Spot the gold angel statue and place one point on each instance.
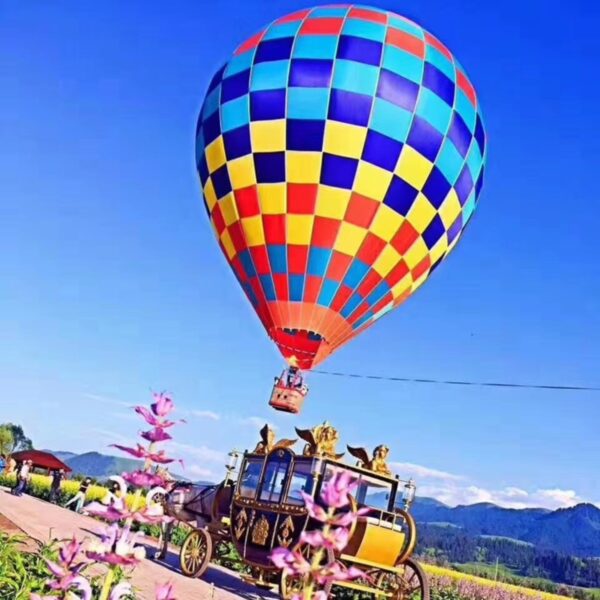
(377, 463)
(320, 441)
(268, 443)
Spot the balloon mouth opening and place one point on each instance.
(300, 347)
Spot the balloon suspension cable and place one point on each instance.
(571, 388)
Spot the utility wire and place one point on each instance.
(571, 388)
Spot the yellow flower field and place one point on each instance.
(458, 576)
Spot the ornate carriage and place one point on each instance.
(264, 509)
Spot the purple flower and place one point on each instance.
(163, 405)
(158, 434)
(144, 479)
(314, 510)
(141, 452)
(336, 539)
(165, 592)
(290, 562)
(116, 547)
(336, 492)
(119, 512)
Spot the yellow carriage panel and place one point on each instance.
(376, 541)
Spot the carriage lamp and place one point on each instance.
(316, 472)
(231, 465)
(408, 495)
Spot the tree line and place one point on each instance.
(449, 545)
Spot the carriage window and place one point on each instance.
(370, 491)
(302, 481)
(374, 492)
(275, 476)
(250, 478)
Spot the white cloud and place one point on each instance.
(406, 470)
(197, 471)
(453, 490)
(557, 498)
(107, 400)
(206, 414)
(203, 453)
(257, 422)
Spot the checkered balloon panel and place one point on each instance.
(341, 153)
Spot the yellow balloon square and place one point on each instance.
(402, 286)
(386, 222)
(439, 249)
(450, 208)
(349, 238)
(253, 230)
(229, 209)
(387, 260)
(299, 229)
(303, 167)
(413, 167)
(241, 172)
(210, 195)
(344, 140)
(215, 154)
(416, 253)
(421, 213)
(332, 202)
(272, 198)
(268, 136)
(227, 244)
(372, 181)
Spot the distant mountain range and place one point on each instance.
(574, 531)
(100, 466)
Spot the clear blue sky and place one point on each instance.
(111, 283)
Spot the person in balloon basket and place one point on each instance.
(57, 477)
(294, 379)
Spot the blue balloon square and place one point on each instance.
(338, 171)
(360, 49)
(425, 138)
(348, 107)
(464, 184)
(235, 86)
(275, 49)
(305, 134)
(221, 182)
(397, 89)
(237, 142)
(436, 187)
(400, 196)
(381, 150)
(437, 82)
(310, 72)
(460, 135)
(269, 167)
(267, 105)
(435, 230)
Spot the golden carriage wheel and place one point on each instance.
(410, 584)
(196, 552)
(291, 585)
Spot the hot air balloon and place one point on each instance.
(341, 153)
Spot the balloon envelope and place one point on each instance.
(341, 153)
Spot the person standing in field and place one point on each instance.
(22, 478)
(79, 498)
(57, 476)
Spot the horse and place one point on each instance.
(201, 506)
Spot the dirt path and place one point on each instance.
(44, 521)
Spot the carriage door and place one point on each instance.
(266, 514)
